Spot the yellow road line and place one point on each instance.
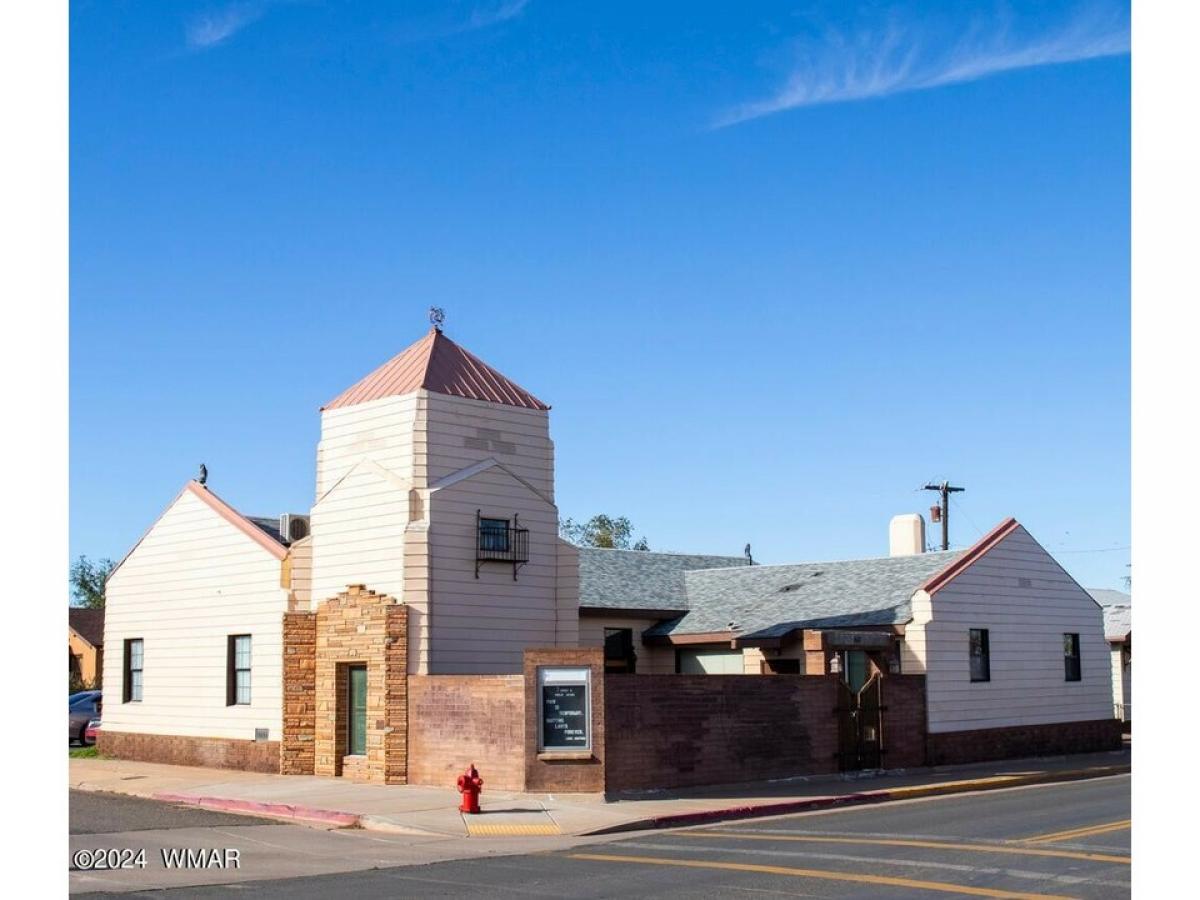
(1085, 831)
(829, 875)
(904, 842)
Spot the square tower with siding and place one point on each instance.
(435, 485)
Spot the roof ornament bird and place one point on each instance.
(748, 556)
(203, 476)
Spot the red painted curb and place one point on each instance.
(255, 807)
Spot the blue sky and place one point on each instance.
(774, 265)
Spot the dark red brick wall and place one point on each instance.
(455, 720)
(667, 731)
(219, 753)
(951, 747)
(903, 699)
(546, 774)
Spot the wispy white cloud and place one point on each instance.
(492, 14)
(898, 59)
(211, 29)
(452, 19)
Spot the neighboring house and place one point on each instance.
(1118, 632)
(429, 564)
(1013, 650)
(85, 645)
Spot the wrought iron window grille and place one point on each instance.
(499, 540)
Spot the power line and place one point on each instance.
(945, 489)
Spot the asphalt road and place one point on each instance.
(1067, 840)
(93, 813)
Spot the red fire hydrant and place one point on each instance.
(470, 785)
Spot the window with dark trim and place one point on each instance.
(618, 650)
(1071, 656)
(981, 661)
(131, 683)
(237, 670)
(493, 535)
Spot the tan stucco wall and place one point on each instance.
(86, 654)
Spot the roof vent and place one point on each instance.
(293, 527)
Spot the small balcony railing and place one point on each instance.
(506, 543)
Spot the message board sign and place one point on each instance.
(565, 709)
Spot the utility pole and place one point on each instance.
(943, 513)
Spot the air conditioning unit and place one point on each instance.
(293, 527)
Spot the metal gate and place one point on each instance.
(860, 725)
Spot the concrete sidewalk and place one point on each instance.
(330, 802)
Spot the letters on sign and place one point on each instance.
(565, 709)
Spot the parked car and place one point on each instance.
(82, 707)
(89, 733)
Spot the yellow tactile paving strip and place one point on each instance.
(508, 829)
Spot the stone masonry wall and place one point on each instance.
(180, 750)
(456, 720)
(298, 750)
(361, 627)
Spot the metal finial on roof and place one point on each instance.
(437, 316)
(203, 476)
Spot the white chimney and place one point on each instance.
(906, 535)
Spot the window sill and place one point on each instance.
(565, 755)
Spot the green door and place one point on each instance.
(856, 669)
(357, 707)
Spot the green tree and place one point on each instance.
(87, 581)
(601, 531)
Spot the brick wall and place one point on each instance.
(218, 753)
(903, 699)
(455, 720)
(687, 730)
(558, 772)
(361, 627)
(297, 753)
(951, 747)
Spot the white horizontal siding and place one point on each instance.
(194, 580)
(1025, 633)
(350, 547)
(451, 421)
(380, 429)
(483, 625)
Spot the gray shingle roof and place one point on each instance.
(640, 579)
(770, 601)
(1105, 597)
(270, 526)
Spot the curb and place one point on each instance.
(754, 811)
(308, 814)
